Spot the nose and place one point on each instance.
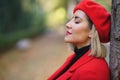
(68, 25)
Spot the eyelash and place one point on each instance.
(77, 22)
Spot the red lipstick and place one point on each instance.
(68, 33)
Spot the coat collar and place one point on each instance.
(83, 60)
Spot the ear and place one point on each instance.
(90, 34)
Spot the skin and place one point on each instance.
(78, 32)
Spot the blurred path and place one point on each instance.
(46, 54)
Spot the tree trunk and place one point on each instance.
(115, 41)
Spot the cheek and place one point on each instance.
(80, 34)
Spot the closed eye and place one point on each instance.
(77, 22)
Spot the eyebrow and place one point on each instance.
(77, 17)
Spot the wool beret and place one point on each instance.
(98, 15)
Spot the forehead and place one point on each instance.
(80, 14)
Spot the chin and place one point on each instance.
(68, 40)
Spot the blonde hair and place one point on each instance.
(97, 49)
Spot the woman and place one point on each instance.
(88, 28)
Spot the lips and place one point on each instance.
(68, 33)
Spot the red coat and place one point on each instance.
(85, 68)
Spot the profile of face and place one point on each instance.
(78, 30)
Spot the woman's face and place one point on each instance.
(77, 30)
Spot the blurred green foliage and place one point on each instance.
(26, 18)
(20, 19)
(56, 12)
(105, 3)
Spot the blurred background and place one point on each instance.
(32, 37)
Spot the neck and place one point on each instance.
(82, 45)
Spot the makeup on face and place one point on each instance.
(77, 30)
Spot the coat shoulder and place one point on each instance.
(96, 69)
(96, 65)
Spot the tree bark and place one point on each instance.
(115, 41)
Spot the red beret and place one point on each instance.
(98, 15)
